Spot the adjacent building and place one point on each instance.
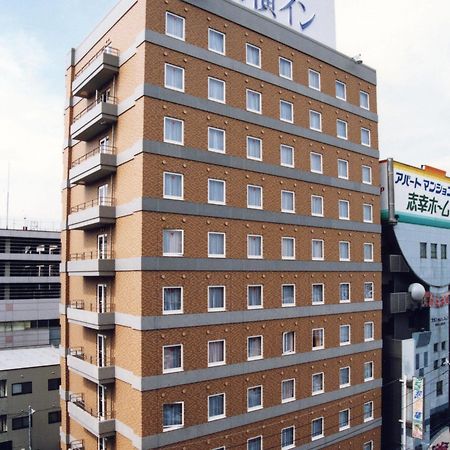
(416, 278)
(221, 266)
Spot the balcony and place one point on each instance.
(76, 445)
(97, 117)
(92, 264)
(90, 316)
(99, 425)
(90, 367)
(92, 214)
(100, 69)
(94, 165)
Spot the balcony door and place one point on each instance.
(103, 195)
(101, 350)
(104, 144)
(101, 298)
(102, 246)
(101, 401)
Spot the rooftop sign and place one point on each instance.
(313, 18)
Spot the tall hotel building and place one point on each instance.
(221, 275)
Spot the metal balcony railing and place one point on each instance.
(77, 445)
(107, 307)
(104, 149)
(78, 400)
(105, 49)
(93, 104)
(93, 254)
(103, 201)
(78, 352)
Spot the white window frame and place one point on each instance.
(362, 174)
(256, 111)
(341, 217)
(319, 347)
(344, 98)
(255, 437)
(262, 296)
(174, 311)
(221, 416)
(260, 188)
(260, 406)
(291, 106)
(182, 243)
(369, 418)
(218, 363)
(368, 445)
(288, 77)
(289, 446)
(343, 162)
(369, 207)
(317, 258)
(363, 130)
(213, 99)
(284, 350)
(170, 141)
(368, 299)
(349, 341)
(287, 305)
(321, 435)
(372, 328)
(349, 293)
(212, 30)
(261, 356)
(224, 307)
(174, 88)
(367, 96)
(175, 427)
(247, 45)
(321, 162)
(311, 114)
(372, 369)
(214, 202)
(313, 198)
(213, 255)
(344, 385)
(260, 148)
(312, 72)
(291, 193)
(345, 135)
(288, 399)
(322, 390)
(173, 197)
(368, 245)
(347, 244)
(284, 146)
(290, 257)
(168, 13)
(347, 425)
(321, 302)
(215, 150)
(177, 369)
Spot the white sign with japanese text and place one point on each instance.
(313, 18)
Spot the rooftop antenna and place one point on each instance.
(7, 199)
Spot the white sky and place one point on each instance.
(406, 42)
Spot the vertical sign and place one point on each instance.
(417, 422)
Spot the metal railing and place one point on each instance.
(93, 254)
(78, 352)
(77, 445)
(102, 201)
(9, 223)
(109, 99)
(92, 307)
(106, 149)
(78, 400)
(105, 49)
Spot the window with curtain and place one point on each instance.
(254, 148)
(253, 101)
(341, 129)
(253, 55)
(368, 331)
(344, 334)
(173, 186)
(216, 406)
(216, 140)
(367, 213)
(363, 99)
(174, 77)
(172, 416)
(314, 79)
(287, 390)
(344, 209)
(316, 205)
(254, 196)
(254, 443)
(254, 296)
(254, 347)
(317, 428)
(368, 252)
(368, 411)
(317, 383)
(172, 358)
(254, 398)
(317, 293)
(216, 298)
(365, 137)
(287, 155)
(344, 292)
(344, 376)
(317, 249)
(216, 191)
(288, 295)
(286, 111)
(318, 340)
(216, 90)
(285, 68)
(173, 131)
(216, 245)
(368, 291)
(254, 246)
(173, 300)
(344, 251)
(341, 90)
(287, 248)
(344, 419)
(172, 243)
(216, 353)
(316, 162)
(315, 120)
(288, 342)
(342, 168)
(175, 26)
(366, 174)
(287, 201)
(287, 438)
(216, 41)
(368, 371)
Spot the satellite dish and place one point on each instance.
(417, 291)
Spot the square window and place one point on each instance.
(366, 174)
(253, 55)
(368, 252)
(216, 140)
(286, 111)
(365, 137)
(317, 383)
(287, 248)
(285, 68)
(254, 348)
(316, 205)
(288, 342)
(341, 90)
(175, 26)
(317, 250)
(254, 246)
(344, 251)
(216, 41)
(172, 300)
(344, 335)
(174, 77)
(363, 99)
(173, 186)
(172, 358)
(315, 120)
(287, 438)
(318, 294)
(344, 377)
(254, 101)
(173, 131)
(343, 169)
(314, 79)
(288, 295)
(316, 162)
(368, 291)
(254, 398)
(255, 443)
(216, 245)
(254, 296)
(368, 371)
(254, 196)
(173, 416)
(433, 251)
(344, 210)
(318, 339)
(216, 192)
(423, 249)
(216, 90)
(368, 331)
(287, 155)
(216, 407)
(344, 292)
(172, 242)
(341, 129)
(367, 213)
(254, 148)
(216, 298)
(216, 353)
(288, 390)
(368, 411)
(288, 201)
(344, 419)
(317, 429)
(443, 251)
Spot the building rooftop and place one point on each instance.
(22, 358)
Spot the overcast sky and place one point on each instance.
(406, 42)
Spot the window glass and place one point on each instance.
(315, 120)
(216, 192)
(316, 205)
(172, 416)
(254, 398)
(253, 101)
(254, 148)
(172, 358)
(286, 111)
(253, 55)
(254, 296)
(367, 175)
(316, 162)
(216, 298)
(285, 68)
(216, 353)
(288, 295)
(216, 245)
(287, 156)
(216, 140)
(317, 249)
(175, 26)
(254, 196)
(363, 99)
(287, 390)
(314, 79)
(172, 300)
(172, 243)
(254, 347)
(341, 90)
(344, 210)
(216, 406)
(216, 90)
(287, 201)
(365, 137)
(174, 77)
(216, 41)
(343, 168)
(173, 131)
(173, 186)
(341, 129)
